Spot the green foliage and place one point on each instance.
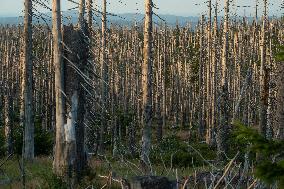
(53, 181)
(194, 53)
(178, 153)
(2, 142)
(270, 172)
(259, 144)
(43, 140)
(280, 54)
(124, 118)
(270, 167)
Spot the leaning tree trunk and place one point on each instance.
(147, 87)
(27, 85)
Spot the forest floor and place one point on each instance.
(173, 158)
(39, 173)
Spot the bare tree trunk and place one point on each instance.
(164, 79)
(222, 131)
(81, 21)
(280, 101)
(210, 139)
(201, 81)
(27, 84)
(8, 104)
(60, 161)
(104, 82)
(7, 100)
(147, 75)
(256, 10)
(82, 53)
(264, 88)
(90, 14)
(210, 78)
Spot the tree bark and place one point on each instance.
(104, 82)
(222, 131)
(263, 77)
(60, 161)
(147, 69)
(27, 84)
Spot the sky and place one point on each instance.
(173, 7)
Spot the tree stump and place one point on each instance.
(150, 182)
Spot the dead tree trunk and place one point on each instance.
(280, 101)
(81, 50)
(90, 14)
(147, 69)
(60, 160)
(104, 82)
(222, 130)
(201, 81)
(27, 84)
(264, 87)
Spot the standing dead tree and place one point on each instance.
(264, 88)
(147, 74)
(70, 155)
(105, 83)
(222, 130)
(27, 113)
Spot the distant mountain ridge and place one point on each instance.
(123, 19)
(120, 19)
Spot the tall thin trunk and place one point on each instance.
(222, 131)
(256, 10)
(27, 84)
(59, 161)
(164, 78)
(201, 80)
(210, 73)
(263, 77)
(8, 103)
(147, 69)
(82, 53)
(81, 21)
(104, 82)
(90, 14)
(280, 101)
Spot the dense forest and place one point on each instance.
(141, 106)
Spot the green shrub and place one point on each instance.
(280, 53)
(52, 181)
(269, 167)
(2, 142)
(178, 153)
(43, 140)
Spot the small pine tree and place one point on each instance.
(270, 168)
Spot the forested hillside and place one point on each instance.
(88, 102)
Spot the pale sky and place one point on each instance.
(174, 7)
